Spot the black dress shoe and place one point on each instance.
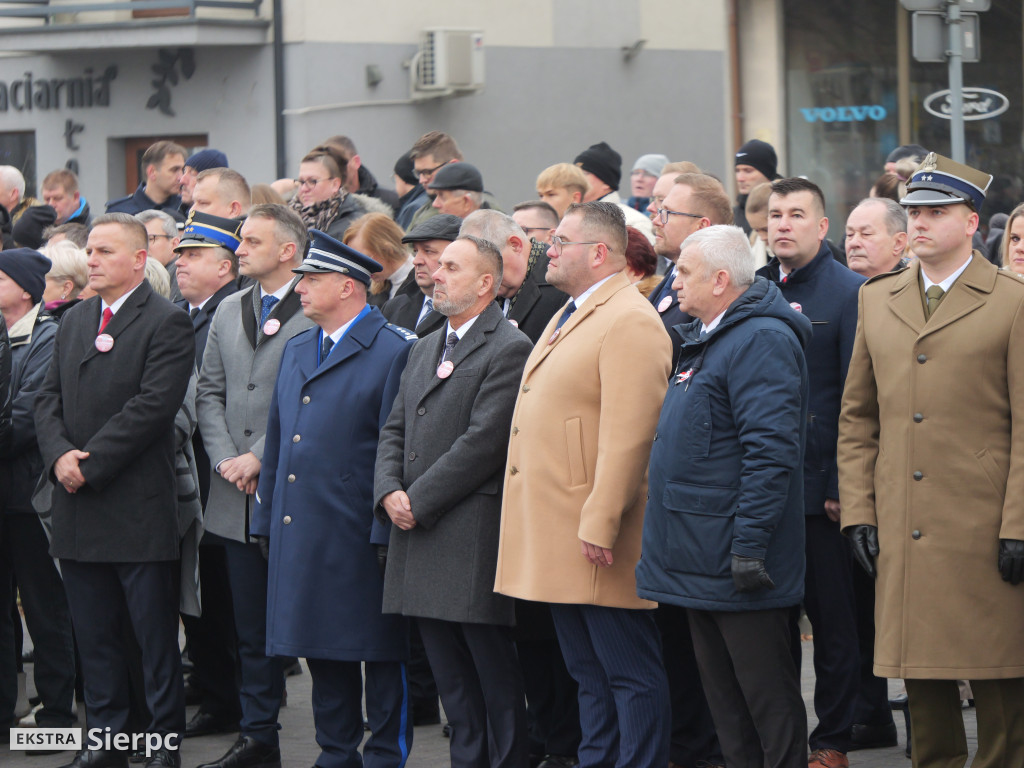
(873, 736)
(248, 753)
(164, 758)
(99, 758)
(206, 723)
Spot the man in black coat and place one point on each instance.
(206, 271)
(527, 304)
(105, 423)
(413, 305)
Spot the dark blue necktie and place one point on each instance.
(449, 345)
(326, 349)
(565, 315)
(267, 305)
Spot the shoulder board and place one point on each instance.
(883, 276)
(398, 330)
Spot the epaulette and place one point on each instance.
(398, 330)
(884, 275)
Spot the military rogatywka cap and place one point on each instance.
(204, 230)
(941, 181)
(329, 255)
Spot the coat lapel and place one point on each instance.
(358, 338)
(965, 295)
(613, 285)
(475, 338)
(124, 317)
(249, 315)
(529, 294)
(905, 298)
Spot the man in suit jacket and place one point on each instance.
(931, 473)
(527, 305)
(335, 389)
(105, 423)
(694, 201)
(247, 339)
(205, 273)
(413, 305)
(576, 482)
(438, 479)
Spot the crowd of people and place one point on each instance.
(572, 473)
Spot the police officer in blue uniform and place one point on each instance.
(335, 388)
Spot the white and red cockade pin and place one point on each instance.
(444, 370)
(104, 342)
(272, 326)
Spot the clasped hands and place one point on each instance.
(243, 471)
(68, 472)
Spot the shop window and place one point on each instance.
(18, 148)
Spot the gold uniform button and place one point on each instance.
(515, 430)
(287, 519)
(305, 400)
(296, 438)
(526, 387)
(291, 478)
(514, 471)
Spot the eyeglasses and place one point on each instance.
(153, 238)
(429, 171)
(558, 243)
(664, 213)
(310, 183)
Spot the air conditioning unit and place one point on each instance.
(449, 62)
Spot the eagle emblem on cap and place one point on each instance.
(930, 163)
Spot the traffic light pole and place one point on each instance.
(956, 81)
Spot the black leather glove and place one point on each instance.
(749, 575)
(1011, 560)
(382, 558)
(264, 544)
(864, 541)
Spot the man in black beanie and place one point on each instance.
(602, 166)
(756, 163)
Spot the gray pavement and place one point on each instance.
(430, 748)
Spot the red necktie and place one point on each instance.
(107, 314)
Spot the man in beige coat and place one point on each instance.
(931, 473)
(576, 482)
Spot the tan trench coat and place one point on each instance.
(581, 439)
(928, 453)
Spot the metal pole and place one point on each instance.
(956, 81)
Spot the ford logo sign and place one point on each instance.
(979, 104)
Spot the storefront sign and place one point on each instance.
(844, 114)
(29, 93)
(979, 104)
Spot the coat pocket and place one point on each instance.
(991, 469)
(699, 528)
(574, 450)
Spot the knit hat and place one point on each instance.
(651, 164)
(761, 156)
(602, 161)
(205, 159)
(405, 171)
(28, 230)
(27, 268)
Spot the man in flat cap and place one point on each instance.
(931, 473)
(337, 383)
(413, 304)
(458, 189)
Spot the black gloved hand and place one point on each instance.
(1011, 560)
(864, 540)
(264, 544)
(382, 557)
(749, 575)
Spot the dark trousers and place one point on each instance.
(103, 598)
(831, 608)
(753, 688)
(422, 688)
(24, 554)
(262, 676)
(338, 713)
(552, 697)
(481, 689)
(615, 656)
(212, 644)
(693, 737)
(873, 697)
(937, 724)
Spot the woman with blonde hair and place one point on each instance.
(376, 235)
(1013, 241)
(67, 278)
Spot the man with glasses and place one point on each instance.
(575, 487)
(162, 236)
(695, 201)
(431, 152)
